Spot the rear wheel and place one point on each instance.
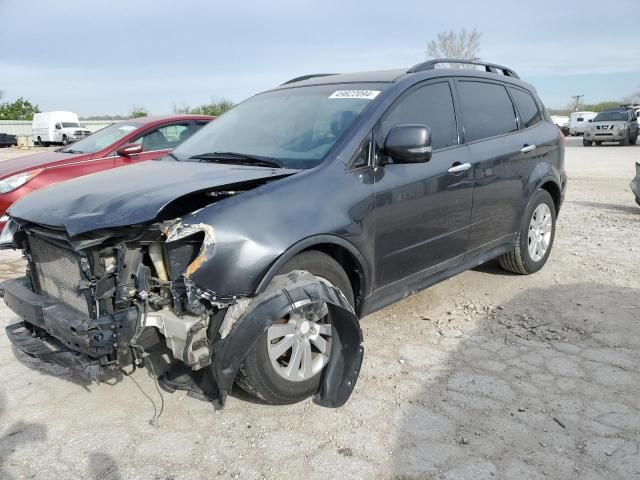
(65, 140)
(598, 143)
(586, 143)
(533, 242)
(286, 362)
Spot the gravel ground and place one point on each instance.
(486, 375)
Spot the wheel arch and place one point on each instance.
(344, 252)
(553, 188)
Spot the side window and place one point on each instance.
(431, 105)
(361, 159)
(487, 110)
(529, 113)
(163, 138)
(199, 124)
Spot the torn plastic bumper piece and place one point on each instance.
(285, 294)
(48, 349)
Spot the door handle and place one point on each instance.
(459, 167)
(528, 148)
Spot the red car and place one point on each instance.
(122, 143)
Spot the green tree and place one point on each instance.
(20, 109)
(600, 106)
(137, 112)
(214, 108)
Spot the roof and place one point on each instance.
(421, 71)
(164, 118)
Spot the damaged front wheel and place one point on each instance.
(285, 364)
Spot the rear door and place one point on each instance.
(422, 210)
(490, 130)
(157, 142)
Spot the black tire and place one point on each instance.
(38, 142)
(598, 143)
(634, 140)
(65, 140)
(586, 143)
(627, 139)
(518, 259)
(256, 375)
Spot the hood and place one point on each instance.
(37, 160)
(129, 195)
(608, 122)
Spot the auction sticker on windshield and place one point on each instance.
(365, 94)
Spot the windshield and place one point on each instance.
(295, 127)
(619, 116)
(102, 138)
(70, 125)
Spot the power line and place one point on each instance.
(576, 101)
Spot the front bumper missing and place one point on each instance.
(50, 350)
(57, 334)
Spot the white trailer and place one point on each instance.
(578, 121)
(57, 127)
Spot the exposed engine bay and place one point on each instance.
(96, 302)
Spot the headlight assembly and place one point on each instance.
(16, 181)
(6, 237)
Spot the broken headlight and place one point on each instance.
(6, 237)
(186, 247)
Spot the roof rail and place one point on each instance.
(307, 77)
(489, 67)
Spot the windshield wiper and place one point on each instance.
(237, 158)
(69, 151)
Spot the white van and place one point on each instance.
(578, 122)
(57, 127)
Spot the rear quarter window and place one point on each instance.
(486, 108)
(527, 107)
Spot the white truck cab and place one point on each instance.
(578, 122)
(57, 127)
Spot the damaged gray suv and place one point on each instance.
(253, 249)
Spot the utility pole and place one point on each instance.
(576, 101)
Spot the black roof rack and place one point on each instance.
(489, 67)
(307, 77)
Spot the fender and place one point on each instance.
(285, 293)
(307, 243)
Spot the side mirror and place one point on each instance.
(129, 149)
(408, 144)
(590, 121)
(58, 126)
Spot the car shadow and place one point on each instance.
(534, 387)
(103, 466)
(15, 438)
(631, 208)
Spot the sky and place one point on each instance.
(106, 57)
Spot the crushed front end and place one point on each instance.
(98, 301)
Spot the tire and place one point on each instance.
(257, 375)
(519, 259)
(586, 143)
(598, 143)
(38, 142)
(627, 139)
(634, 140)
(65, 140)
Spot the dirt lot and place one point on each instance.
(486, 375)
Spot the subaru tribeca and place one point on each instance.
(253, 249)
